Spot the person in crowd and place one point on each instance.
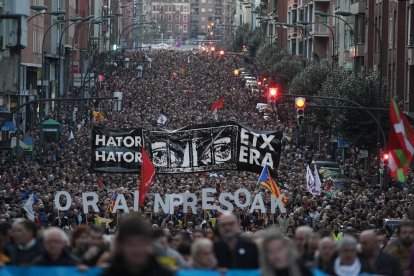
(133, 250)
(202, 254)
(302, 235)
(4, 239)
(347, 263)
(230, 249)
(325, 253)
(198, 234)
(401, 246)
(278, 256)
(55, 242)
(95, 246)
(79, 241)
(25, 246)
(379, 262)
(166, 255)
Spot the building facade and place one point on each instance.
(204, 13)
(173, 17)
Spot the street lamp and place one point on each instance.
(43, 95)
(133, 24)
(138, 27)
(304, 23)
(73, 20)
(41, 10)
(324, 14)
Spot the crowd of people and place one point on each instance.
(341, 233)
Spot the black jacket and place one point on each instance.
(386, 264)
(243, 256)
(153, 268)
(23, 257)
(65, 259)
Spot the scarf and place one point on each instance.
(347, 270)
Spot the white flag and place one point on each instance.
(162, 119)
(28, 207)
(318, 186)
(310, 181)
(71, 136)
(215, 114)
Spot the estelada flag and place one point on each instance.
(112, 203)
(218, 104)
(266, 180)
(400, 143)
(147, 175)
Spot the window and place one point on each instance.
(185, 18)
(203, 19)
(169, 17)
(203, 10)
(294, 19)
(185, 28)
(177, 17)
(37, 42)
(185, 8)
(203, 1)
(169, 27)
(178, 27)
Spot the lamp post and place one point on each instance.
(42, 11)
(42, 90)
(73, 21)
(130, 31)
(377, 30)
(330, 29)
(324, 14)
(75, 35)
(133, 24)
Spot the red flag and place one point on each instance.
(147, 175)
(218, 104)
(101, 184)
(400, 144)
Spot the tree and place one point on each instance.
(310, 80)
(277, 61)
(354, 125)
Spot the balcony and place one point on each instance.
(358, 6)
(319, 30)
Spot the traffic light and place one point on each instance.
(300, 104)
(272, 93)
(385, 160)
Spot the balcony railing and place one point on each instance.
(319, 29)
